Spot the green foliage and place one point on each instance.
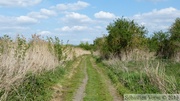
(36, 87)
(21, 48)
(101, 45)
(124, 35)
(138, 82)
(175, 36)
(58, 48)
(166, 44)
(175, 30)
(160, 43)
(140, 79)
(86, 46)
(55, 46)
(172, 68)
(4, 44)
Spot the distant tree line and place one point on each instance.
(86, 46)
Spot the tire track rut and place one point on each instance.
(80, 93)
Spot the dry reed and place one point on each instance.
(19, 57)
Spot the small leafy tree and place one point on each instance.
(160, 43)
(101, 45)
(124, 35)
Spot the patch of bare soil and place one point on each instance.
(80, 93)
(111, 88)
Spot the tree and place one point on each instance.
(175, 30)
(124, 35)
(175, 35)
(101, 45)
(160, 43)
(166, 44)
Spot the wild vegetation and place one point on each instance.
(19, 58)
(37, 69)
(141, 63)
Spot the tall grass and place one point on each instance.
(143, 74)
(19, 57)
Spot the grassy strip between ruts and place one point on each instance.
(71, 85)
(96, 89)
(37, 87)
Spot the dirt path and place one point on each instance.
(80, 93)
(111, 88)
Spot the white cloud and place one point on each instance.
(104, 15)
(42, 14)
(37, 15)
(26, 20)
(19, 3)
(16, 24)
(16, 21)
(73, 18)
(158, 19)
(73, 28)
(47, 12)
(71, 6)
(44, 33)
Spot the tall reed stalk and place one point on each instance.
(20, 57)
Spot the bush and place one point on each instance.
(86, 46)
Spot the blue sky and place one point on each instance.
(82, 20)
